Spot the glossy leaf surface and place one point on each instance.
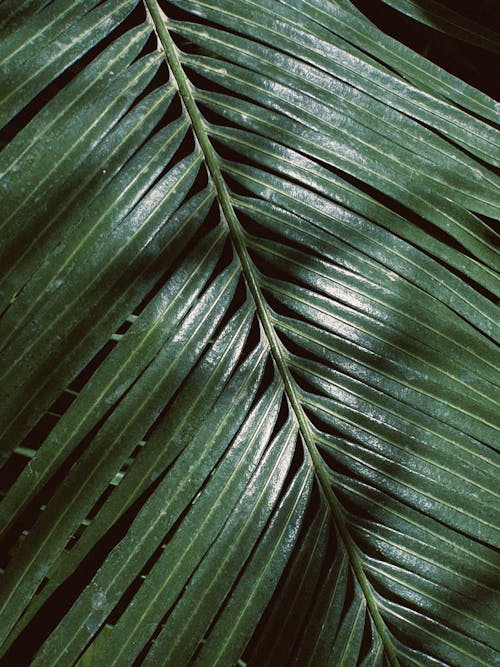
(249, 399)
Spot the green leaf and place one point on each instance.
(437, 15)
(249, 340)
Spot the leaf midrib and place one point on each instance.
(158, 21)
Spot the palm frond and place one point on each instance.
(249, 391)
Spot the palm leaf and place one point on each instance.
(436, 14)
(249, 390)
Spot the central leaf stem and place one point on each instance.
(159, 21)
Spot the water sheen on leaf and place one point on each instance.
(249, 340)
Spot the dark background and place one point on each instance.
(477, 66)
